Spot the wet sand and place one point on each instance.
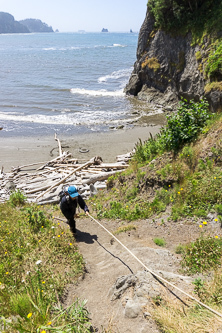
(18, 151)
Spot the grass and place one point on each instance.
(159, 241)
(173, 316)
(202, 255)
(125, 229)
(187, 180)
(184, 176)
(151, 63)
(38, 258)
(213, 86)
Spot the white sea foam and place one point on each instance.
(81, 47)
(80, 118)
(123, 73)
(102, 92)
(61, 48)
(118, 45)
(49, 48)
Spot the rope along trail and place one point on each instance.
(154, 274)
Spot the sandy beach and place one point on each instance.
(18, 151)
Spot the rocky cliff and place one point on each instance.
(171, 66)
(34, 25)
(9, 25)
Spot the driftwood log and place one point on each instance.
(43, 184)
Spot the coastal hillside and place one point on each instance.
(171, 196)
(8, 25)
(34, 25)
(179, 54)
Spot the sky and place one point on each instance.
(75, 15)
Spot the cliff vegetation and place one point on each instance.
(198, 16)
(185, 39)
(178, 174)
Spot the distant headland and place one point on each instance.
(104, 30)
(9, 25)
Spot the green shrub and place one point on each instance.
(199, 287)
(185, 125)
(214, 62)
(197, 16)
(149, 149)
(202, 255)
(36, 218)
(182, 127)
(17, 198)
(159, 241)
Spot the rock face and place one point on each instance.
(167, 68)
(34, 25)
(9, 25)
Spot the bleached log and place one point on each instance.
(63, 180)
(64, 165)
(38, 189)
(131, 153)
(65, 154)
(48, 202)
(18, 168)
(102, 176)
(93, 171)
(75, 159)
(112, 166)
(59, 144)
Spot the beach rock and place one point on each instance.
(121, 285)
(132, 309)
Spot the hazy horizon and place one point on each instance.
(72, 16)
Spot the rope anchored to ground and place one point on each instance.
(154, 274)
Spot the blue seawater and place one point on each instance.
(65, 82)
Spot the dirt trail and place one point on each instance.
(115, 306)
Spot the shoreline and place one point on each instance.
(18, 151)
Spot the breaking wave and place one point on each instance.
(121, 74)
(102, 92)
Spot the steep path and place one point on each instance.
(118, 291)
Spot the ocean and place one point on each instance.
(67, 83)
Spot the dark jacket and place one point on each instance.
(68, 206)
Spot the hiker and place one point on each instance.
(68, 205)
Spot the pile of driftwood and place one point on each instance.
(44, 184)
